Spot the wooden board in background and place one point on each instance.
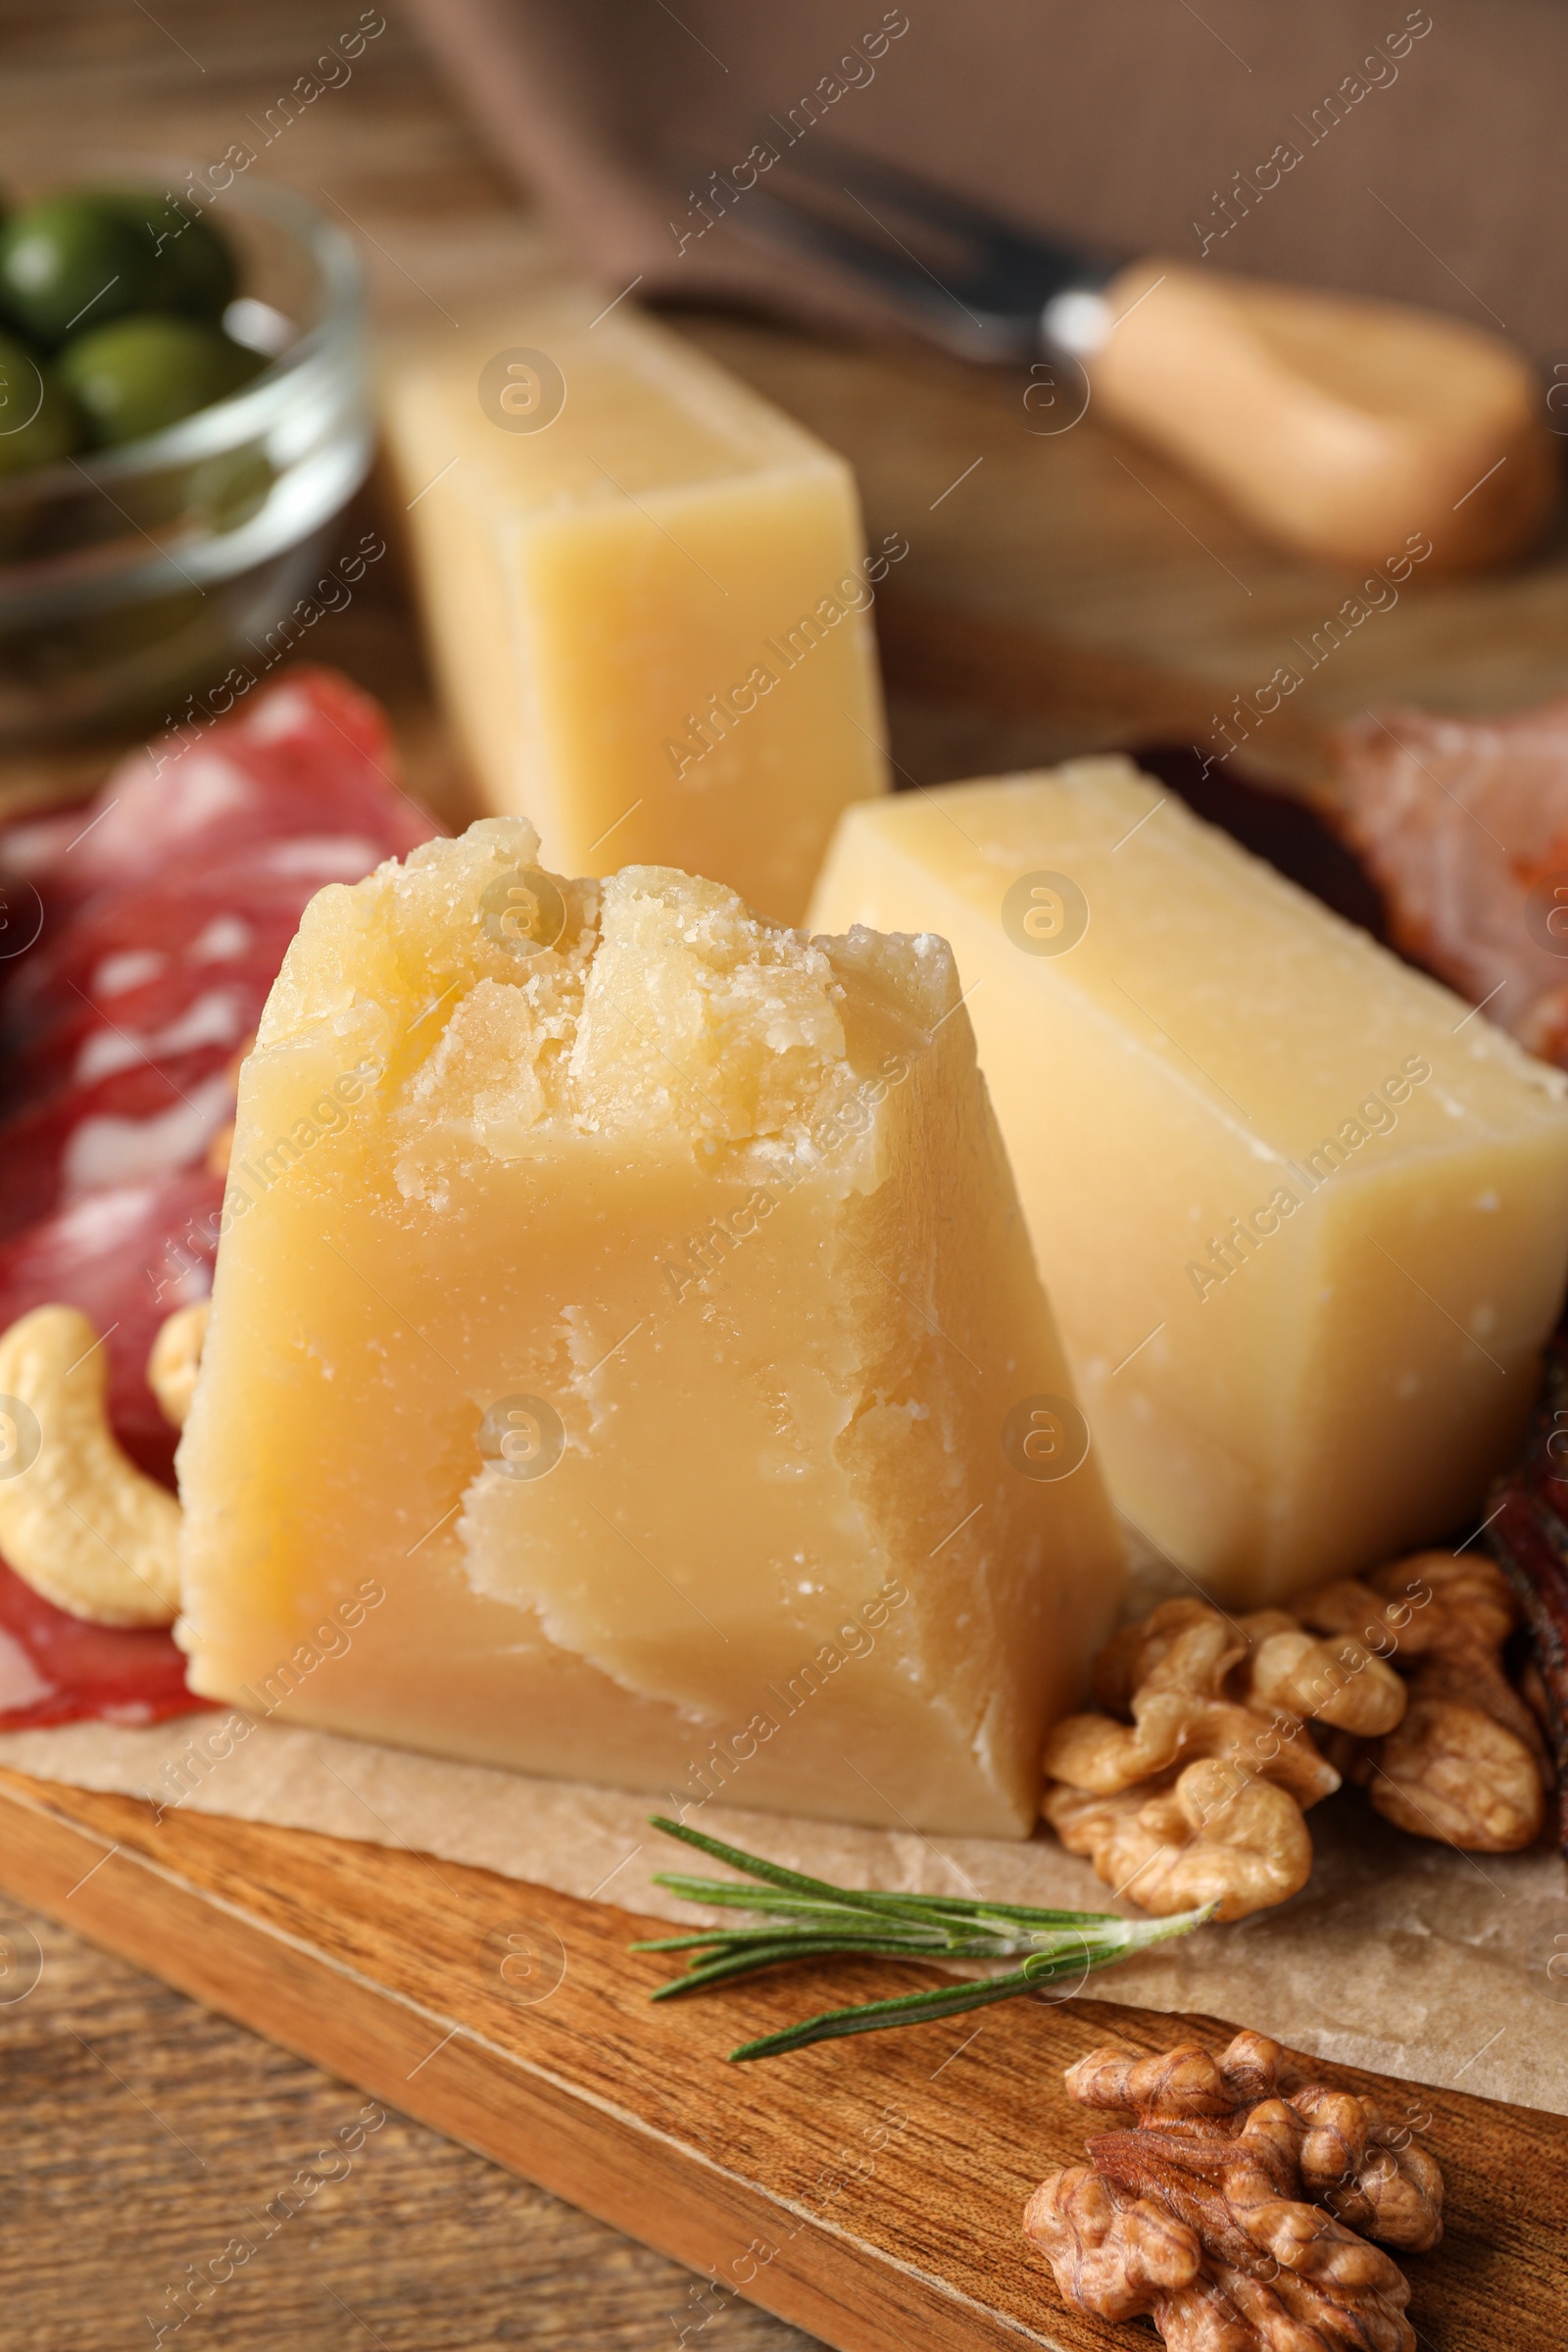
(869, 2191)
(1070, 591)
(1062, 592)
(1059, 594)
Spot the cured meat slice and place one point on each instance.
(56, 1669)
(1526, 1534)
(96, 977)
(135, 1124)
(127, 1258)
(311, 755)
(167, 903)
(1463, 825)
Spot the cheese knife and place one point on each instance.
(1344, 428)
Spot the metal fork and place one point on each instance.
(1011, 294)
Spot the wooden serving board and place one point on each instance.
(869, 2190)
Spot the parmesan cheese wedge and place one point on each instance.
(623, 1306)
(1302, 1213)
(645, 591)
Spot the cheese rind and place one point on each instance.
(1303, 1216)
(651, 615)
(645, 1324)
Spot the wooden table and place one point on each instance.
(1060, 593)
(141, 2130)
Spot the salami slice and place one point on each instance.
(158, 915)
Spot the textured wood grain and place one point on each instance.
(141, 2133)
(869, 2191)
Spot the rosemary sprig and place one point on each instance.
(814, 1921)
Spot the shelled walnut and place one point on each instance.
(1220, 1733)
(1199, 1796)
(1527, 1538)
(1468, 1763)
(1226, 2204)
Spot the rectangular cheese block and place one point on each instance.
(646, 594)
(1302, 1215)
(632, 1300)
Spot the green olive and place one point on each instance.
(137, 375)
(38, 423)
(66, 261)
(193, 271)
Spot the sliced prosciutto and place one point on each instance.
(1463, 825)
(167, 903)
(1527, 1534)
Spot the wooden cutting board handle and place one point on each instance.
(1344, 428)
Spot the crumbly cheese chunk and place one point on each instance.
(633, 1292)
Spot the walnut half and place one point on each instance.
(1226, 2204)
(1216, 1834)
(1467, 1764)
(1193, 1783)
(1192, 1786)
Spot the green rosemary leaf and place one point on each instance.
(871, 2017)
(810, 1920)
(792, 1881)
(919, 2008)
(733, 1894)
(805, 1939)
(804, 1894)
(966, 1905)
(743, 1964)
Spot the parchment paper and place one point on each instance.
(1399, 1954)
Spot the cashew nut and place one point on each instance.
(78, 1521)
(176, 1358)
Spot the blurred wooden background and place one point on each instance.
(1064, 591)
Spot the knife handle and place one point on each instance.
(1338, 426)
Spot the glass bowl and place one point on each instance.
(134, 578)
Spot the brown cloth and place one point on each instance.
(1411, 152)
